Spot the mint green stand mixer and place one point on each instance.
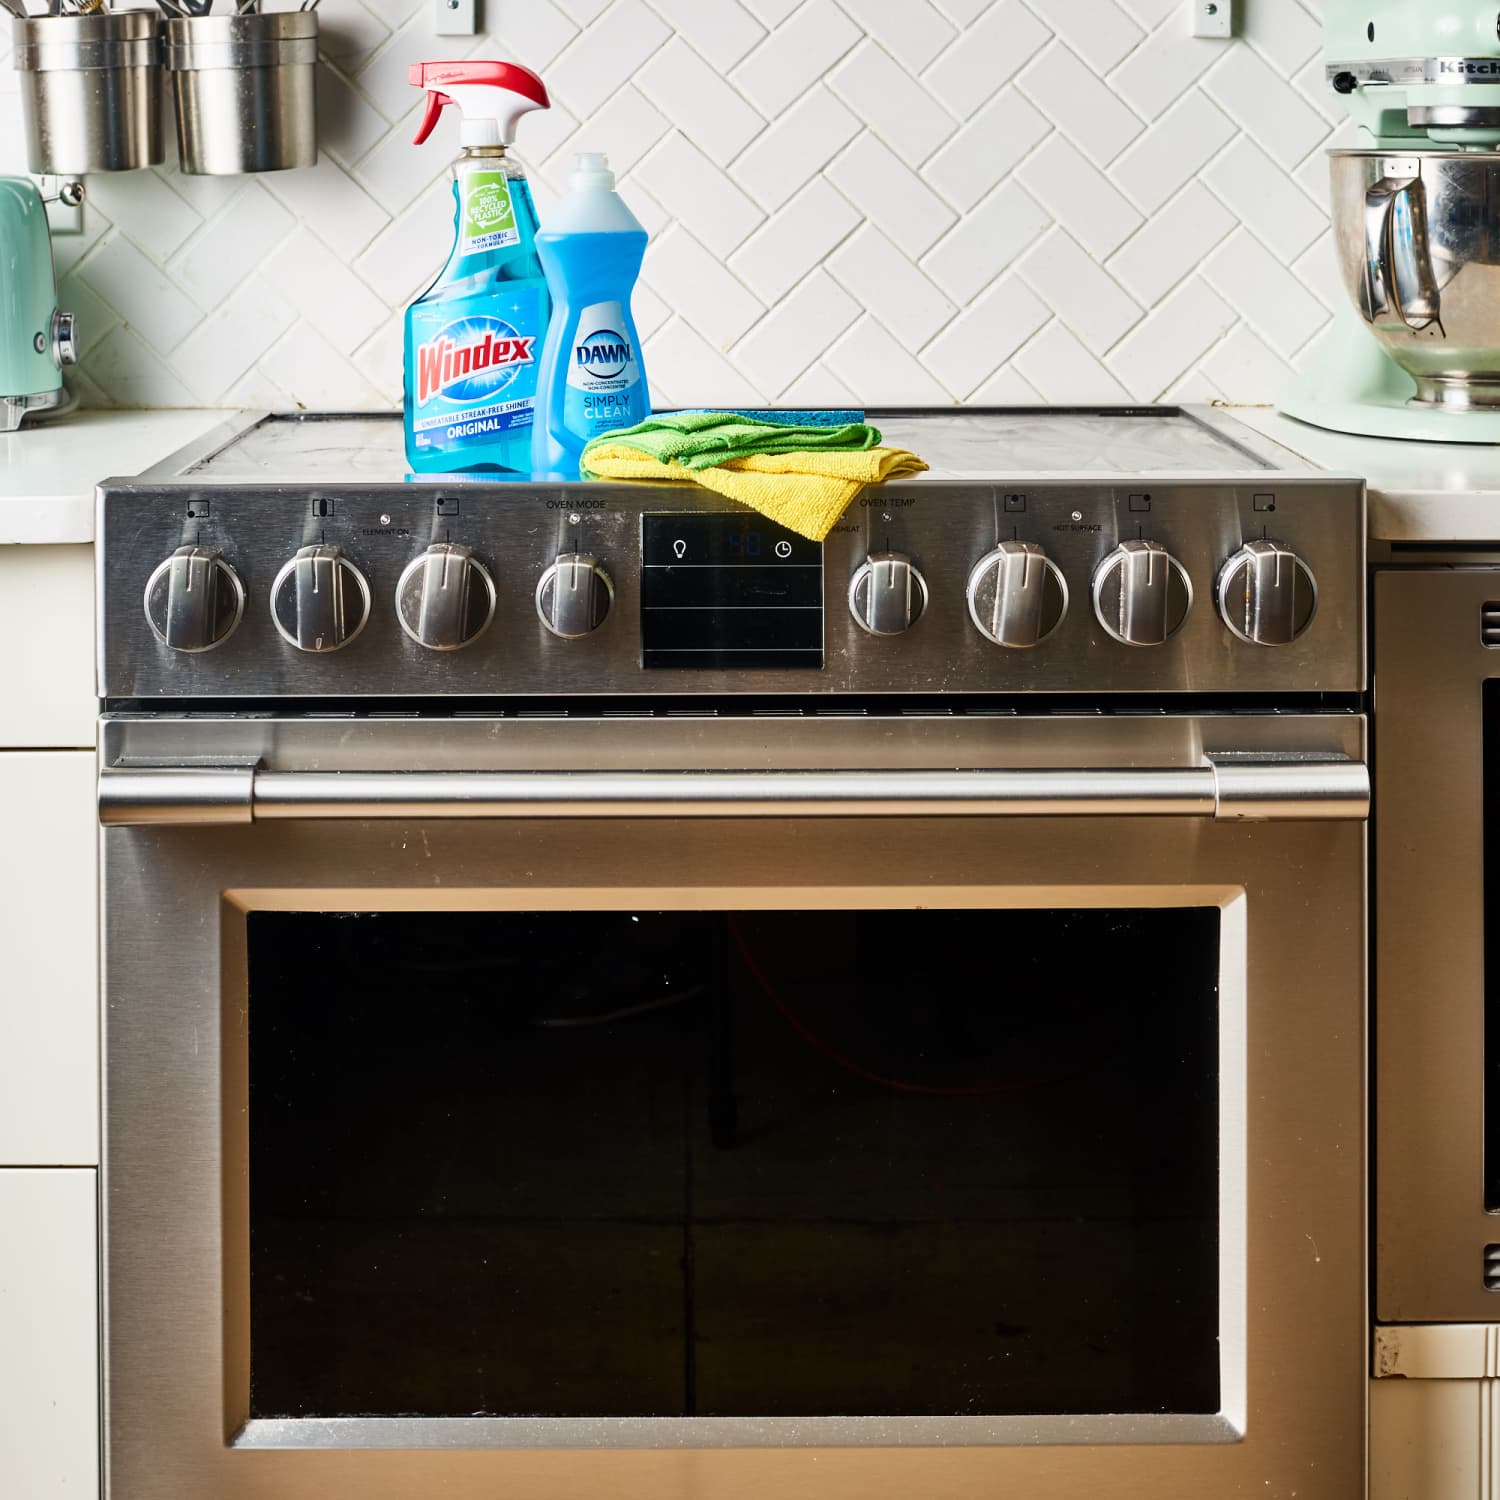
(1415, 353)
(36, 340)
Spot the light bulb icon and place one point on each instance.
(680, 548)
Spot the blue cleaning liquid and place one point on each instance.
(593, 379)
(473, 338)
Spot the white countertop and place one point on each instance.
(48, 471)
(1419, 492)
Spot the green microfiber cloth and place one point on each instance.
(705, 439)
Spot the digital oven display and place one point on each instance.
(730, 591)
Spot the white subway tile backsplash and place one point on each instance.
(348, 124)
(723, 31)
(1164, 67)
(792, 337)
(890, 194)
(999, 42)
(894, 105)
(795, 146)
(144, 296)
(779, 255)
(405, 257)
(986, 149)
(129, 373)
(1063, 181)
(1282, 310)
(141, 205)
(232, 339)
(1248, 89)
(532, 32)
(1065, 89)
(331, 203)
(231, 245)
(1080, 291)
(325, 291)
(695, 192)
(395, 171)
(1061, 370)
(851, 201)
(1102, 35)
(700, 288)
(306, 362)
(1287, 36)
(870, 267)
(1172, 338)
(699, 375)
(626, 127)
(912, 31)
(1172, 151)
(794, 56)
(1265, 198)
(607, 54)
(693, 94)
(983, 338)
(985, 242)
(868, 360)
(1171, 244)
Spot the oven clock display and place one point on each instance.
(729, 591)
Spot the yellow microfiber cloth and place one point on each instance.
(804, 479)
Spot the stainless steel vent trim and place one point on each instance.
(1228, 788)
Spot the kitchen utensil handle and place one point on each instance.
(1224, 788)
(1395, 260)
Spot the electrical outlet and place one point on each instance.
(1213, 18)
(454, 17)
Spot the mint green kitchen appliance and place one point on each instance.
(36, 340)
(1415, 353)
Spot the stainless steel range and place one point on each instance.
(605, 996)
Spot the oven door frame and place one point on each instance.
(1432, 1227)
(1129, 826)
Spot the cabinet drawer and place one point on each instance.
(49, 1005)
(47, 666)
(49, 1335)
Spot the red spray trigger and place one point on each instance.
(436, 103)
(469, 83)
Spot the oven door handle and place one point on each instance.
(1224, 788)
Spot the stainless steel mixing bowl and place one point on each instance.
(1418, 237)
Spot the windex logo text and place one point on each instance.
(471, 360)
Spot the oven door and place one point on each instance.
(1437, 946)
(594, 1107)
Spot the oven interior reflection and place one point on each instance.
(755, 1164)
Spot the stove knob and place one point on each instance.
(1142, 594)
(1017, 596)
(445, 599)
(574, 595)
(887, 594)
(194, 600)
(320, 600)
(1267, 594)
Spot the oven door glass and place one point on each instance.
(763, 1163)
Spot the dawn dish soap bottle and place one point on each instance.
(592, 379)
(473, 338)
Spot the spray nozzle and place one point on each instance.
(492, 97)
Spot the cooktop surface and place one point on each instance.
(977, 444)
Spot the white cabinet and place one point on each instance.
(49, 1334)
(47, 659)
(49, 947)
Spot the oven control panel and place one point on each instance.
(498, 591)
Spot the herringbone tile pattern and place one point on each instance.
(851, 201)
